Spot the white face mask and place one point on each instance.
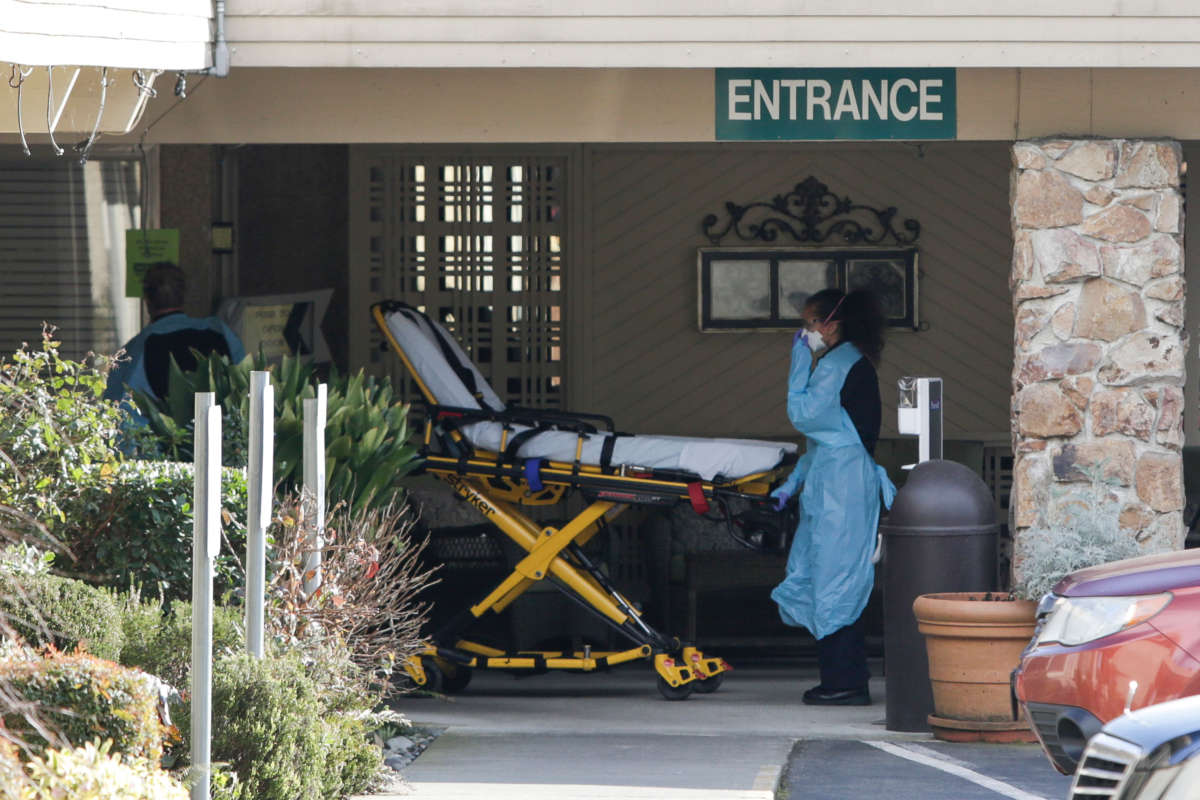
(814, 340)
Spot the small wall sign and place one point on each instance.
(824, 104)
(144, 247)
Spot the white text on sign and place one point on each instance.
(903, 99)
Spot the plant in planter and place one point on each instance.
(974, 639)
(1084, 531)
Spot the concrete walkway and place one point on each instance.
(605, 736)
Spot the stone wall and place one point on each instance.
(1098, 291)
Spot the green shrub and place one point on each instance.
(161, 643)
(92, 773)
(272, 727)
(23, 558)
(13, 780)
(56, 435)
(65, 613)
(366, 431)
(352, 757)
(81, 698)
(139, 529)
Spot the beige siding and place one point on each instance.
(290, 106)
(652, 370)
(707, 33)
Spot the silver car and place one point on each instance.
(1148, 754)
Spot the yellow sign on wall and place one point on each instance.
(146, 247)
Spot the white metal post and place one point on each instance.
(314, 483)
(206, 543)
(260, 482)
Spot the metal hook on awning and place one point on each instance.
(86, 149)
(146, 92)
(58, 151)
(19, 75)
(144, 85)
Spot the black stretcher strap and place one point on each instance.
(606, 452)
(517, 440)
(461, 369)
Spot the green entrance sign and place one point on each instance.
(146, 247)
(757, 104)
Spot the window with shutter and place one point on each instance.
(479, 244)
(62, 251)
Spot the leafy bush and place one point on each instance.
(353, 758)
(371, 576)
(1083, 531)
(139, 529)
(13, 781)
(79, 698)
(276, 732)
(56, 435)
(65, 613)
(23, 558)
(160, 643)
(91, 772)
(366, 431)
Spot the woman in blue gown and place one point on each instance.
(833, 399)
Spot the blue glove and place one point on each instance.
(781, 499)
(798, 336)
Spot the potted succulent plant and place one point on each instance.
(974, 639)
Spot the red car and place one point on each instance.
(1120, 635)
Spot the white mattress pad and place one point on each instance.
(707, 458)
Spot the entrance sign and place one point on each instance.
(757, 104)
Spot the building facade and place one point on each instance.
(539, 174)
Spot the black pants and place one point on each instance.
(842, 658)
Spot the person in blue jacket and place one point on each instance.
(833, 399)
(145, 365)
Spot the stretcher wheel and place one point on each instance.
(709, 685)
(456, 678)
(435, 678)
(681, 692)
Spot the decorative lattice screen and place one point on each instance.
(478, 243)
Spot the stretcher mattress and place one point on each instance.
(708, 458)
(425, 347)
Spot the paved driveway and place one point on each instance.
(611, 736)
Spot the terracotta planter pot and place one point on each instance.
(974, 642)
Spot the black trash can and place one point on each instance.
(940, 536)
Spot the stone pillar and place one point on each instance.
(1099, 344)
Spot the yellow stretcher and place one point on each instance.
(499, 458)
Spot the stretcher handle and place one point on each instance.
(535, 417)
(553, 415)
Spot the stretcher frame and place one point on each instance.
(497, 486)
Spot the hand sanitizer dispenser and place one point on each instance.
(920, 415)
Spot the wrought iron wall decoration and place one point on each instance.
(811, 213)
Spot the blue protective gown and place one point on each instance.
(829, 570)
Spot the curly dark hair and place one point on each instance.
(861, 316)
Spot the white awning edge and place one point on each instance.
(47, 50)
(119, 33)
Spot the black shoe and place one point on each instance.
(820, 696)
